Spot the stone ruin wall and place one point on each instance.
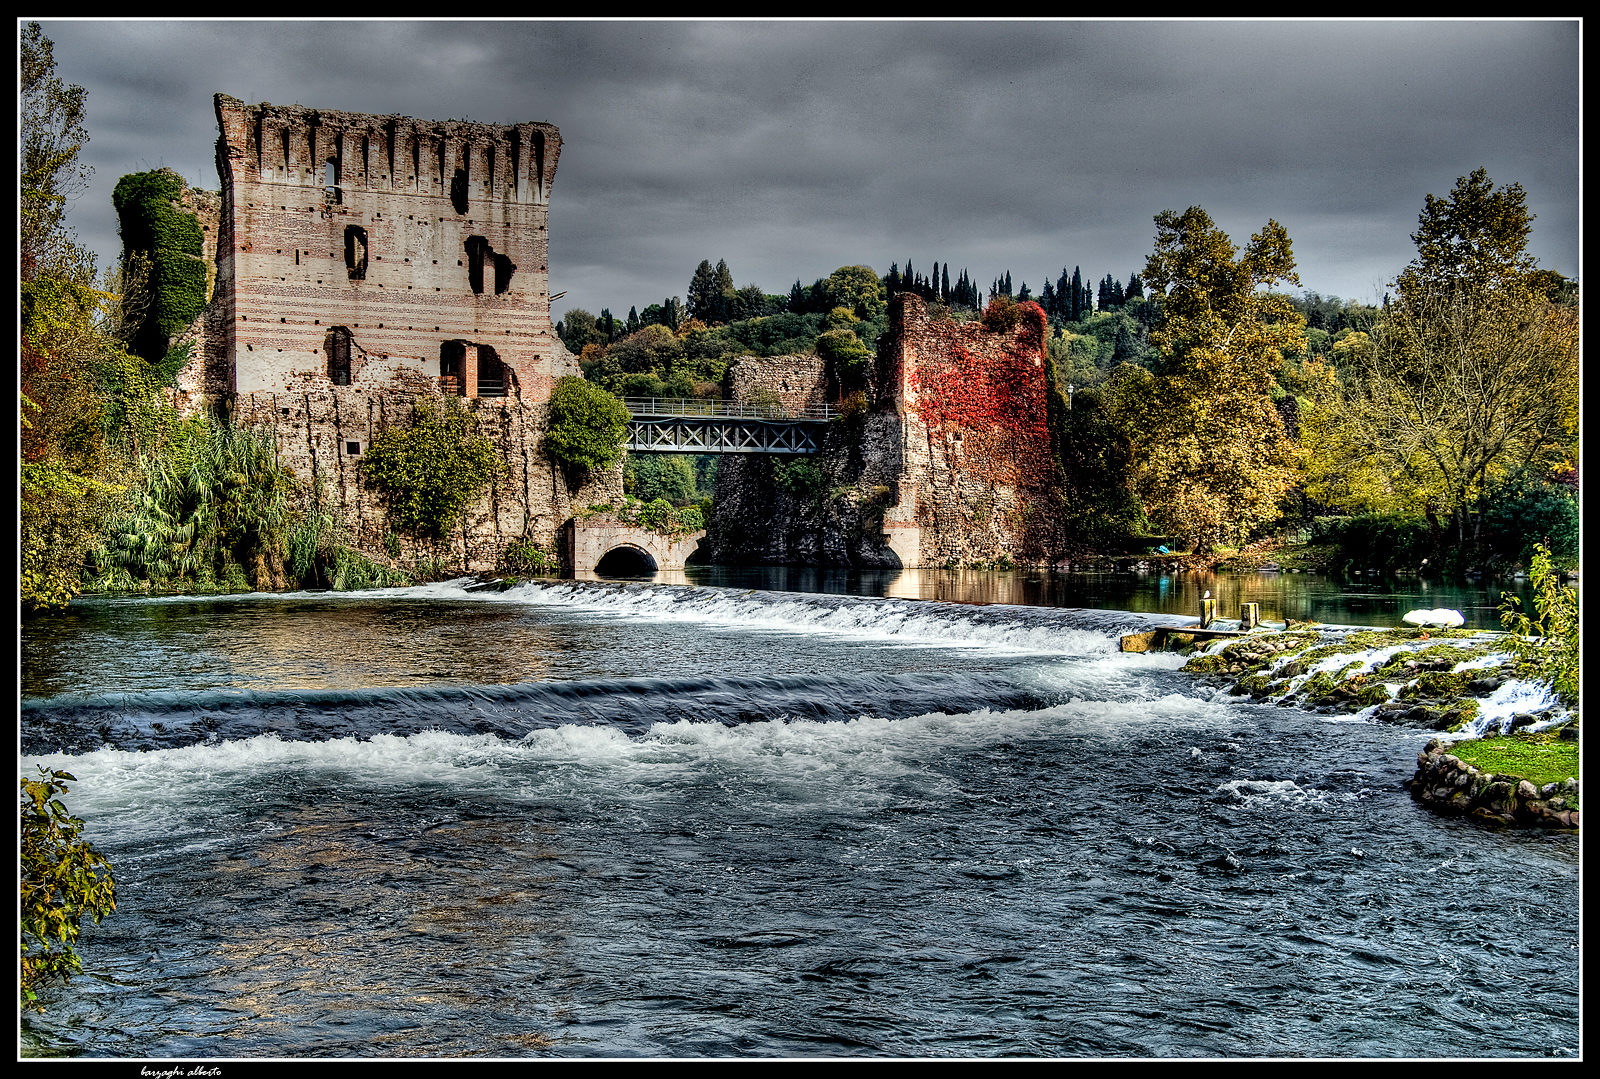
(977, 474)
(951, 466)
(365, 262)
(794, 382)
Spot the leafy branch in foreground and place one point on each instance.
(64, 879)
(1546, 646)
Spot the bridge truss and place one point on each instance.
(694, 426)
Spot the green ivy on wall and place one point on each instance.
(430, 472)
(156, 228)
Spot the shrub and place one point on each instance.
(587, 425)
(1520, 514)
(1546, 646)
(63, 880)
(431, 471)
(524, 556)
(799, 477)
(845, 356)
(213, 509)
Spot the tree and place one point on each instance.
(1466, 382)
(1474, 239)
(1210, 457)
(587, 425)
(1451, 397)
(64, 880)
(52, 133)
(702, 295)
(66, 471)
(1546, 646)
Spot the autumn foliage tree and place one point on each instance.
(1210, 458)
(1469, 380)
(66, 471)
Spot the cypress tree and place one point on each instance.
(702, 291)
(944, 289)
(1078, 293)
(726, 301)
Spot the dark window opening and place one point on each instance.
(478, 252)
(491, 373)
(477, 249)
(355, 252)
(503, 269)
(353, 449)
(338, 345)
(330, 182)
(452, 362)
(458, 191)
(626, 562)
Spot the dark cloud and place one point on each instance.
(792, 148)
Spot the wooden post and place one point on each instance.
(1208, 612)
(1249, 616)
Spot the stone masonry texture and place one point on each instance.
(363, 262)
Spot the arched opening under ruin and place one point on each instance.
(626, 561)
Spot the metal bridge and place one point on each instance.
(698, 425)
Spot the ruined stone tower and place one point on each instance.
(363, 262)
(354, 248)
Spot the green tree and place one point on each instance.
(587, 426)
(1450, 398)
(703, 293)
(651, 476)
(855, 287)
(64, 880)
(432, 471)
(580, 328)
(51, 114)
(1211, 458)
(1467, 381)
(66, 470)
(1475, 239)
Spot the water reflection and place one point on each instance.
(1304, 596)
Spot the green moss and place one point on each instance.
(1538, 758)
(1438, 685)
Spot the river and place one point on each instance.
(726, 817)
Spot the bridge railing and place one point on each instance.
(702, 406)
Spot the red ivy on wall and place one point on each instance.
(988, 386)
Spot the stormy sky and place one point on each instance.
(792, 148)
